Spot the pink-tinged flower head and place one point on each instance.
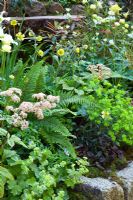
(39, 96)
(26, 106)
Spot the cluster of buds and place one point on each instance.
(20, 114)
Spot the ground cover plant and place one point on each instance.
(66, 106)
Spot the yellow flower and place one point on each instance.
(31, 33)
(126, 14)
(126, 25)
(12, 76)
(20, 36)
(115, 8)
(13, 23)
(40, 53)
(77, 50)
(60, 52)
(105, 114)
(6, 48)
(39, 38)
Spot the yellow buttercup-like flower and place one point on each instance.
(31, 33)
(115, 8)
(39, 38)
(13, 23)
(20, 36)
(40, 53)
(77, 50)
(60, 52)
(126, 14)
(105, 114)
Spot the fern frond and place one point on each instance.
(58, 112)
(30, 82)
(76, 100)
(53, 124)
(60, 140)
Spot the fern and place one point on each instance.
(55, 132)
(61, 141)
(29, 84)
(53, 124)
(75, 99)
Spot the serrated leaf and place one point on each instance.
(6, 173)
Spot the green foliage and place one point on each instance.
(114, 112)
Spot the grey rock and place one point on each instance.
(126, 176)
(77, 9)
(35, 9)
(100, 189)
(55, 8)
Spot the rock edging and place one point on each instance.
(106, 189)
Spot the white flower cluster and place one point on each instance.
(13, 93)
(20, 114)
(5, 38)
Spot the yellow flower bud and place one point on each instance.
(60, 52)
(40, 53)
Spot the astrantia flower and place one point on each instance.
(6, 48)
(40, 53)
(60, 52)
(115, 8)
(20, 36)
(13, 23)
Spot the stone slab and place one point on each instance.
(100, 189)
(126, 176)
